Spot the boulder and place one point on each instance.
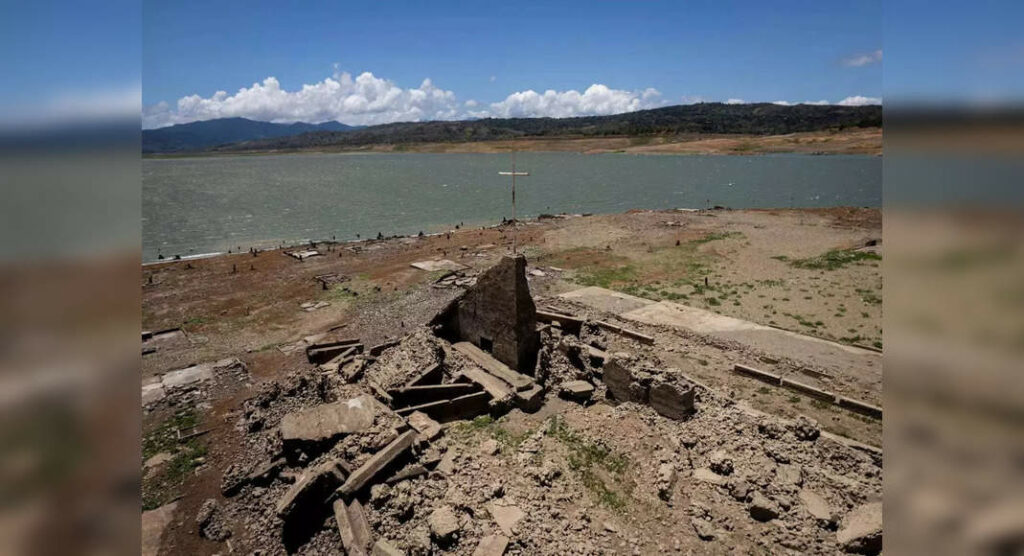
(443, 523)
(762, 508)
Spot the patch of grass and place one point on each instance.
(195, 321)
(764, 390)
(820, 404)
(588, 459)
(834, 259)
(606, 277)
(713, 301)
(794, 399)
(715, 236)
(869, 296)
(165, 437)
(162, 485)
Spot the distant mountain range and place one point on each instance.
(197, 136)
(238, 134)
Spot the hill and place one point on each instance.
(211, 133)
(705, 118)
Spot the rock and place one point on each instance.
(861, 531)
(720, 462)
(362, 476)
(789, 475)
(490, 447)
(579, 390)
(762, 508)
(211, 525)
(739, 489)
(705, 531)
(491, 545)
(805, 428)
(384, 548)
(443, 523)
(447, 465)
(666, 479)
(623, 385)
(815, 505)
(423, 424)
(353, 526)
(328, 420)
(506, 516)
(157, 460)
(708, 476)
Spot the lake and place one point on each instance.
(212, 204)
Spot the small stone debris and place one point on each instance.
(762, 508)
(666, 480)
(423, 424)
(672, 399)
(505, 515)
(492, 545)
(444, 524)
(720, 462)
(579, 390)
(861, 530)
(537, 272)
(704, 529)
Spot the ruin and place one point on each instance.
(497, 315)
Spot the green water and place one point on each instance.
(203, 205)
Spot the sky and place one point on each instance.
(370, 62)
(367, 62)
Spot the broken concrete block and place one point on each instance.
(431, 375)
(621, 382)
(530, 400)
(328, 420)
(497, 388)
(762, 508)
(362, 476)
(313, 487)
(506, 516)
(443, 523)
(808, 390)
(671, 399)
(763, 376)
(353, 526)
(152, 393)
(418, 395)
(447, 463)
(858, 406)
(579, 390)
(861, 531)
(322, 353)
(384, 548)
(427, 427)
(494, 367)
(410, 472)
(491, 545)
(382, 347)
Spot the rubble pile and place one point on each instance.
(397, 450)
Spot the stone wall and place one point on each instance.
(498, 315)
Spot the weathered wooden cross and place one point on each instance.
(513, 173)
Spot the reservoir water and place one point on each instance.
(212, 204)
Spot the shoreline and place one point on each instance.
(859, 141)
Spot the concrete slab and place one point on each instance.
(607, 300)
(491, 545)
(494, 367)
(377, 463)
(440, 264)
(329, 420)
(187, 376)
(505, 515)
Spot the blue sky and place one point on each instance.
(754, 51)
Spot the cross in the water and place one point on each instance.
(513, 173)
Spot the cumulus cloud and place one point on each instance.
(861, 60)
(595, 101)
(363, 100)
(859, 101)
(735, 101)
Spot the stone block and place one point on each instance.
(672, 399)
(328, 420)
(376, 464)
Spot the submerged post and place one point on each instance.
(513, 173)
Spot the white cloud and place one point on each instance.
(494, 78)
(364, 100)
(691, 99)
(72, 107)
(859, 101)
(735, 101)
(861, 60)
(596, 100)
(782, 102)
(471, 103)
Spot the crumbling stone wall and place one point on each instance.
(498, 315)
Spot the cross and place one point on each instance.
(513, 173)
